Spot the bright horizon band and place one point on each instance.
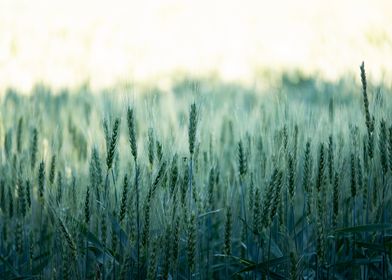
(65, 44)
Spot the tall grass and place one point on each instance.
(235, 184)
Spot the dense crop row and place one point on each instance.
(235, 184)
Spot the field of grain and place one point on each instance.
(206, 180)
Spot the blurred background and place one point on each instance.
(104, 43)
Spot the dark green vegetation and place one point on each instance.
(234, 185)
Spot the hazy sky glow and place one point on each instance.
(64, 43)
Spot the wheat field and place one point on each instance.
(205, 181)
